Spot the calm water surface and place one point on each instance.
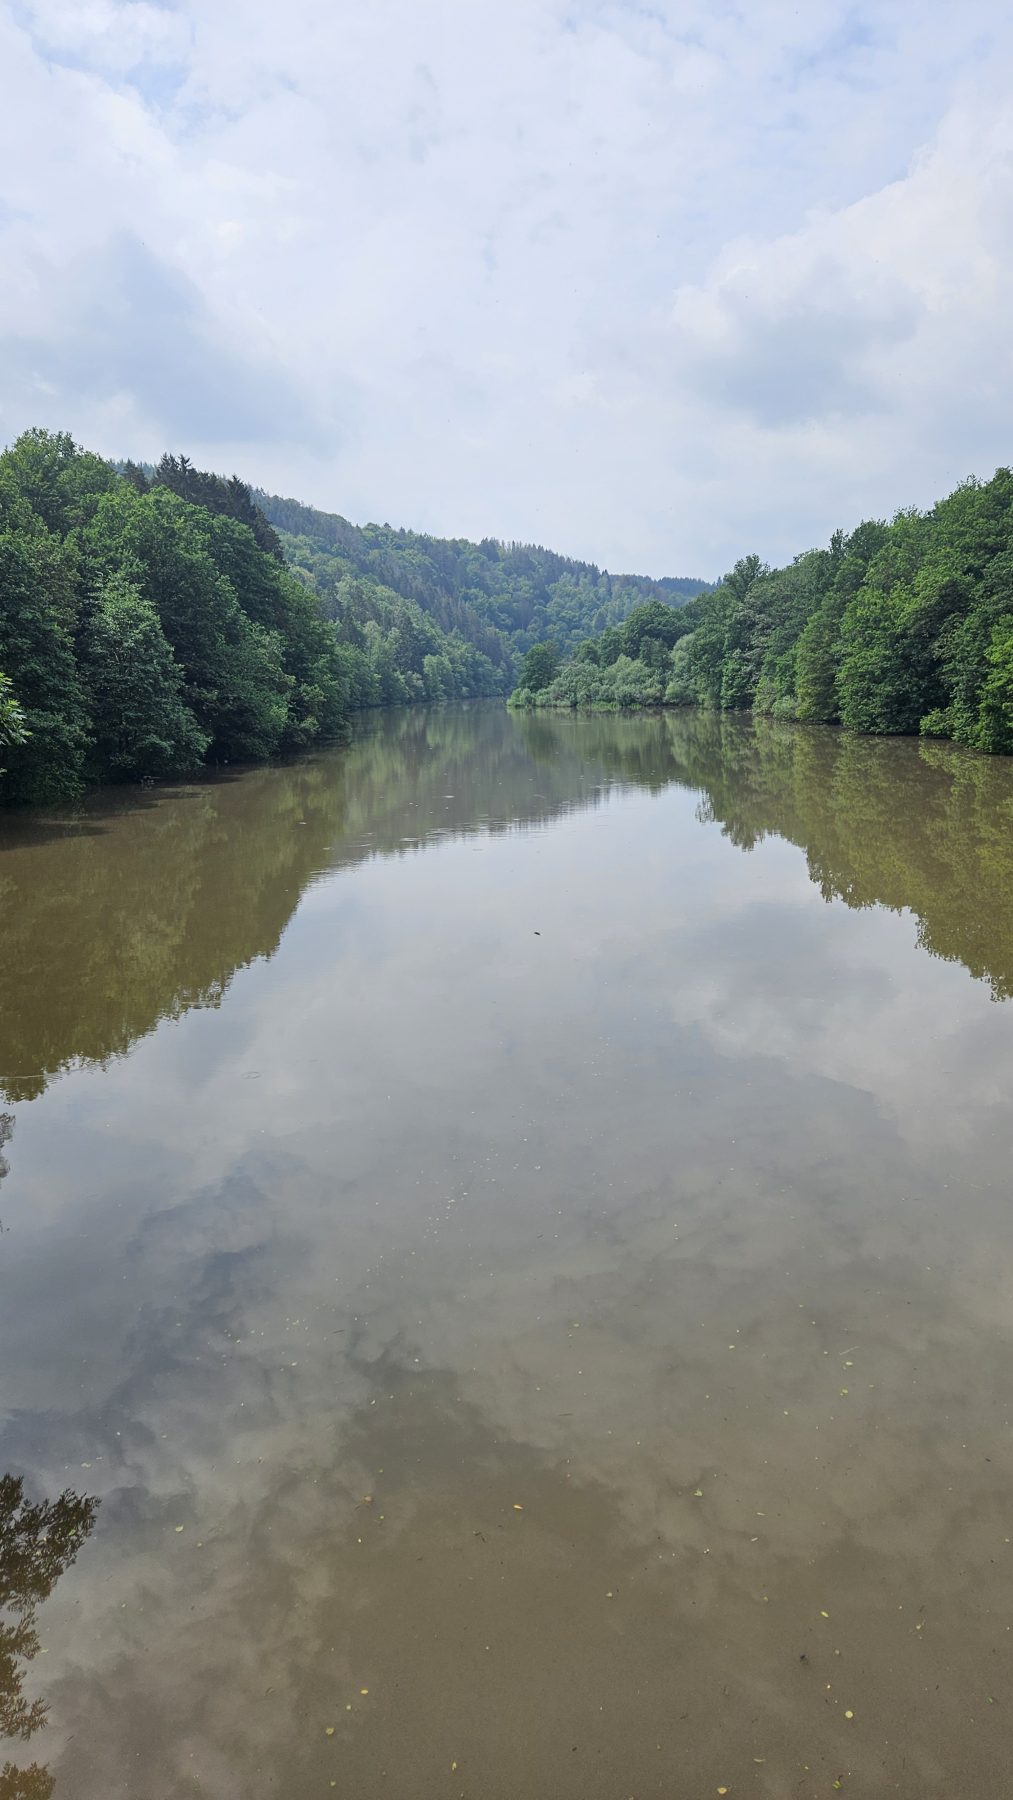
(511, 1222)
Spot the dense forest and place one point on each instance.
(904, 627)
(156, 617)
(502, 598)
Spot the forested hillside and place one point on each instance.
(391, 652)
(502, 598)
(898, 628)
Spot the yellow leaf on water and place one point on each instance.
(849, 1714)
(517, 1506)
(364, 1690)
(328, 1730)
(180, 1527)
(824, 1615)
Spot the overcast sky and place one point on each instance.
(654, 284)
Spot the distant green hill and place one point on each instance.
(500, 597)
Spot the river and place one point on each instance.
(508, 1225)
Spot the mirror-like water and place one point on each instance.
(511, 1224)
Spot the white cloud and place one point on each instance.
(653, 285)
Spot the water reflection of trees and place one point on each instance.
(143, 907)
(38, 1541)
(923, 827)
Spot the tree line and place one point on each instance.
(903, 628)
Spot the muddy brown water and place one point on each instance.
(511, 1221)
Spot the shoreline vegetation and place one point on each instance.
(155, 619)
(896, 629)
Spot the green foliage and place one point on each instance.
(681, 688)
(898, 629)
(234, 682)
(38, 619)
(57, 483)
(140, 723)
(231, 498)
(538, 666)
(653, 627)
(13, 724)
(142, 628)
(994, 729)
(386, 636)
(629, 665)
